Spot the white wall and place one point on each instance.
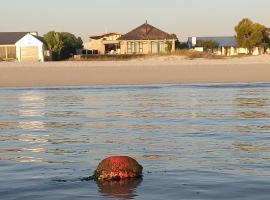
(200, 49)
(30, 40)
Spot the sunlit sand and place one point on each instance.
(156, 70)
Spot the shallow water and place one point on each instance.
(194, 141)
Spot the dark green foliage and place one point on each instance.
(208, 45)
(266, 40)
(168, 47)
(249, 34)
(181, 45)
(178, 44)
(71, 43)
(54, 42)
(62, 45)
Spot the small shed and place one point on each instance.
(30, 48)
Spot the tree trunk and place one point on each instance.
(250, 50)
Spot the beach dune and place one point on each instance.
(160, 70)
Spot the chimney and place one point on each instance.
(34, 33)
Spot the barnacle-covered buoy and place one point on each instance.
(118, 168)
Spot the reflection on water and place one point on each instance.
(124, 189)
(39, 126)
(252, 148)
(31, 138)
(252, 102)
(253, 114)
(187, 131)
(31, 105)
(32, 125)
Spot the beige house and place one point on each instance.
(102, 44)
(147, 39)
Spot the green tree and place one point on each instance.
(62, 44)
(249, 34)
(182, 45)
(208, 45)
(54, 42)
(71, 43)
(168, 46)
(266, 40)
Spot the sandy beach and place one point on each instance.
(156, 70)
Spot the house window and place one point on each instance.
(158, 47)
(135, 47)
(95, 52)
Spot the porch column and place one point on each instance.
(6, 52)
(173, 46)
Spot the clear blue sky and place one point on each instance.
(88, 17)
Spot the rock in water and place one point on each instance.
(118, 168)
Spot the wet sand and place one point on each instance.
(159, 70)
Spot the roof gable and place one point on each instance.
(10, 38)
(146, 32)
(29, 39)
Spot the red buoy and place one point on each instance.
(118, 168)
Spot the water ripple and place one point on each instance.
(207, 141)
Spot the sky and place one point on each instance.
(91, 17)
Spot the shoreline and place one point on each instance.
(164, 70)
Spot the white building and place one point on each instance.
(227, 46)
(23, 47)
(30, 48)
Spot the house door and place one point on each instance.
(29, 54)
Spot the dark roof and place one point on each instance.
(41, 39)
(7, 38)
(146, 32)
(221, 41)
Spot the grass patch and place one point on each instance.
(189, 54)
(108, 57)
(192, 54)
(241, 56)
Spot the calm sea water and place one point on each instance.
(194, 141)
